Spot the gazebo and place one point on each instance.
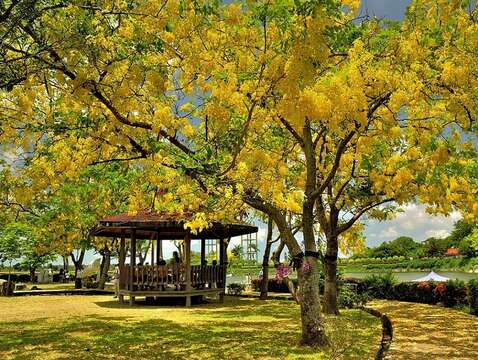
(157, 279)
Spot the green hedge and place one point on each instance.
(273, 285)
(451, 293)
(473, 296)
(402, 263)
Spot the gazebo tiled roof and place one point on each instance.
(166, 226)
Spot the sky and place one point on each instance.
(390, 9)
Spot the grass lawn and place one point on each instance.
(422, 331)
(96, 327)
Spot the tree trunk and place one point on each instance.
(265, 261)
(78, 266)
(143, 253)
(32, 274)
(313, 331)
(65, 264)
(277, 253)
(104, 267)
(330, 292)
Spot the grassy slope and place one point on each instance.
(95, 327)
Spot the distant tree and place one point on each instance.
(10, 245)
(401, 246)
(33, 257)
(461, 229)
(238, 251)
(19, 244)
(469, 244)
(436, 246)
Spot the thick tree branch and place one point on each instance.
(338, 155)
(348, 224)
(255, 201)
(291, 129)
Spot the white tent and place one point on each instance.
(432, 276)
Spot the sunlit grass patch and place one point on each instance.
(96, 327)
(423, 331)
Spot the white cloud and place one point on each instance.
(414, 221)
(389, 232)
(409, 225)
(440, 234)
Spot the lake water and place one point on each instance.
(412, 275)
(401, 276)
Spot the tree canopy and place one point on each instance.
(291, 108)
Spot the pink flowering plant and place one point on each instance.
(282, 272)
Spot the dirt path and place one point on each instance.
(427, 332)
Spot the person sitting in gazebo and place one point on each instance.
(175, 265)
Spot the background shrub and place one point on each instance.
(473, 296)
(347, 298)
(235, 288)
(415, 292)
(454, 293)
(380, 286)
(273, 285)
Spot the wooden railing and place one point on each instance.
(209, 274)
(163, 277)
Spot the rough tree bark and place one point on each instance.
(330, 291)
(313, 331)
(265, 261)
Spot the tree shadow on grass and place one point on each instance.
(233, 307)
(234, 330)
(424, 331)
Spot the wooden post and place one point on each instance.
(187, 266)
(223, 270)
(121, 260)
(152, 252)
(159, 248)
(203, 260)
(159, 254)
(133, 264)
(203, 251)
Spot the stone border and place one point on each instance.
(387, 331)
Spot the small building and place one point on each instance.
(452, 252)
(158, 279)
